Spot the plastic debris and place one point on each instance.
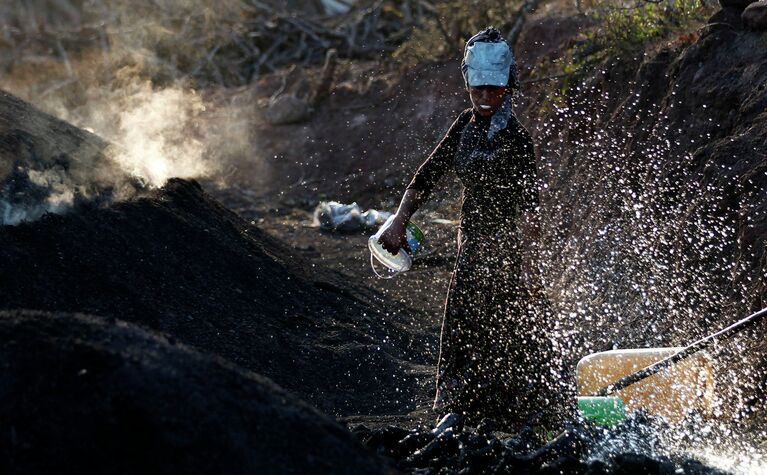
(339, 217)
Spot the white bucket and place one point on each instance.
(402, 260)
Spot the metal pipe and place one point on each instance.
(682, 354)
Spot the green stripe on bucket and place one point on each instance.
(604, 411)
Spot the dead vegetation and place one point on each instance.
(230, 43)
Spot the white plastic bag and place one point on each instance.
(335, 216)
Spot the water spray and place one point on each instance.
(605, 407)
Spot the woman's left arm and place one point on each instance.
(529, 216)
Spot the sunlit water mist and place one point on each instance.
(739, 460)
(633, 251)
(636, 252)
(719, 446)
(713, 443)
(640, 250)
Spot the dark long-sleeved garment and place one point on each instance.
(491, 348)
(498, 174)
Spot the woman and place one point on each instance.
(491, 347)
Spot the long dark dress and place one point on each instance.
(492, 346)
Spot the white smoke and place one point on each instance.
(154, 136)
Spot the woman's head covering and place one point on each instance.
(488, 61)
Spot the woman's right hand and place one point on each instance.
(394, 237)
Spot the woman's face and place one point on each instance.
(487, 99)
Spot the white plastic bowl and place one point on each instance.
(402, 260)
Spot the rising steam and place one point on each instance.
(154, 136)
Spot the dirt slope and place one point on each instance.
(81, 394)
(375, 127)
(655, 204)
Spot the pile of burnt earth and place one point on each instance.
(177, 262)
(579, 449)
(82, 394)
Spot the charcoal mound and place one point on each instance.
(579, 449)
(178, 262)
(81, 394)
(48, 165)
